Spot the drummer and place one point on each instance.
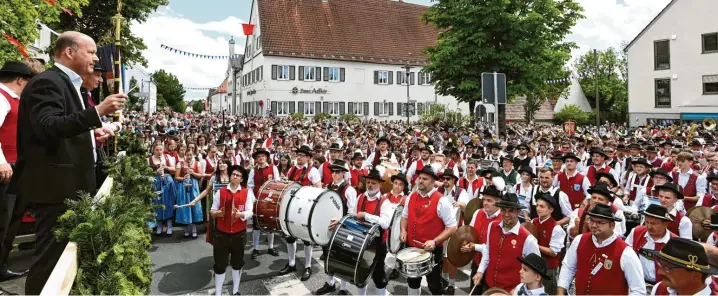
(653, 235)
(471, 182)
(427, 211)
(669, 194)
(397, 195)
(685, 269)
(533, 274)
(501, 273)
(459, 198)
(550, 239)
(262, 172)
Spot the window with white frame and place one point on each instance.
(383, 77)
(334, 74)
(424, 78)
(310, 73)
(384, 109)
(283, 73)
(332, 108)
(357, 109)
(309, 108)
(401, 77)
(282, 108)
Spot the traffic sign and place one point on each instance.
(493, 87)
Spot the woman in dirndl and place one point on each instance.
(165, 189)
(187, 176)
(219, 180)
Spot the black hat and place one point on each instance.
(604, 212)
(339, 165)
(555, 140)
(601, 189)
(651, 149)
(696, 143)
(527, 169)
(475, 156)
(522, 145)
(449, 173)
(304, 149)
(491, 190)
(239, 168)
(662, 172)
(492, 145)
(357, 155)
(621, 146)
(714, 222)
(98, 67)
(15, 69)
(546, 196)
(671, 187)
(401, 177)
(510, 149)
(374, 174)
(536, 263)
(383, 139)
(335, 146)
(425, 148)
(260, 151)
(570, 155)
(598, 150)
(509, 201)
(634, 146)
(427, 170)
(642, 161)
(491, 170)
(453, 151)
(509, 158)
(609, 176)
(712, 176)
(658, 212)
(684, 253)
(557, 155)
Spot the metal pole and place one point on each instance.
(496, 103)
(598, 112)
(407, 76)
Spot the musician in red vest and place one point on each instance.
(306, 175)
(262, 172)
(713, 225)
(418, 165)
(653, 235)
(692, 184)
(428, 220)
(456, 163)
(357, 170)
(375, 158)
(599, 157)
(652, 157)
(551, 238)
(505, 241)
(684, 267)
(710, 199)
(669, 194)
(600, 261)
(325, 171)
(600, 194)
(13, 78)
(471, 182)
(459, 198)
(232, 207)
(480, 221)
(573, 183)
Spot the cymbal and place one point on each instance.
(473, 206)
(462, 236)
(531, 228)
(697, 215)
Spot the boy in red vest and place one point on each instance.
(573, 183)
(692, 184)
(232, 207)
(710, 199)
(599, 157)
(669, 194)
(600, 261)
(653, 235)
(534, 272)
(357, 170)
(551, 238)
(505, 241)
(683, 264)
(480, 221)
(262, 172)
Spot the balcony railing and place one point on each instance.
(662, 62)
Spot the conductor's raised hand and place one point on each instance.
(111, 104)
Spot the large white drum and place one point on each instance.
(393, 242)
(309, 212)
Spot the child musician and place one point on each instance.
(533, 273)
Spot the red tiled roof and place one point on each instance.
(374, 31)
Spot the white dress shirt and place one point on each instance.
(352, 198)
(275, 176)
(701, 182)
(480, 247)
(630, 264)
(248, 204)
(685, 227)
(649, 267)
(445, 209)
(386, 212)
(530, 245)
(558, 236)
(4, 110)
(535, 292)
(474, 192)
(705, 292)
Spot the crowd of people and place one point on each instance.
(601, 210)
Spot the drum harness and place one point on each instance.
(301, 177)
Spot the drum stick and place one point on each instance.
(182, 206)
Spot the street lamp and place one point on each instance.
(406, 80)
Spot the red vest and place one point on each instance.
(656, 163)
(609, 280)
(640, 240)
(675, 225)
(481, 223)
(261, 176)
(356, 174)
(592, 172)
(668, 166)
(326, 173)
(689, 190)
(582, 218)
(367, 206)
(503, 269)
(638, 181)
(296, 175)
(228, 201)
(419, 167)
(475, 185)
(545, 230)
(8, 130)
(708, 201)
(209, 168)
(573, 187)
(423, 222)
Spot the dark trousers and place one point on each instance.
(48, 250)
(9, 227)
(433, 279)
(379, 275)
(226, 245)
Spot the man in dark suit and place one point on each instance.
(56, 145)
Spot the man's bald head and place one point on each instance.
(76, 51)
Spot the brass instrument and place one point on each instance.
(709, 124)
(691, 133)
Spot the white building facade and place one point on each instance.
(673, 65)
(146, 88)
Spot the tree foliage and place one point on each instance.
(605, 71)
(198, 106)
(575, 113)
(522, 38)
(349, 118)
(170, 91)
(322, 117)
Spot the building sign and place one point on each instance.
(296, 90)
(251, 92)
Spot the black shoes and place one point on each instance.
(326, 289)
(449, 290)
(10, 275)
(306, 275)
(287, 269)
(343, 292)
(255, 253)
(323, 257)
(273, 252)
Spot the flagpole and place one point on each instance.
(118, 65)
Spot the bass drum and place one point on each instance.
(309, 212)
(352, 251)
(268, 206)
(393, 241)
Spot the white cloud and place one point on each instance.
(168, 28)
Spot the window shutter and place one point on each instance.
(421, 78)
(342, 74)
(376, 108)
(318, 71)
(366, 108)
(273, 107)
(274, 72)
(317, 107)
(325, 108)
(399, 109)
(411, 77)
(398, 77)
(261, 72)
(291, 72)
(391, 109)
(341, 108)
(301, 73)
(351, 108)
(300, 106)
(291, 108)
(376, 77)
(391, 77)
(326, 73)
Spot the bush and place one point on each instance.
(297, 116)
(322, 117)
(572, 112)
(349, 118)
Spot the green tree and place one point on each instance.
(198, 106)
(575, 113)
(605, 71)
(17, 18)
(522, 38)
(170, 91)
(97, 23)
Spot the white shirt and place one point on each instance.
(352, 199)
(700, 199)
(642, 191)
(530, 245)
(248, 204)
(563, 201)
(463, 196)
(76, 80)
(706, 290)
(4, 110)
(480, 247)
(474, 192)
(558, 236)
(701, 182)
(685, 227)
(370, 159)
(630, 265)
(534, 292)
(586, 184)
(712, 240)
(250, 180)
(649, 267)
(445, 209)
(386, 212)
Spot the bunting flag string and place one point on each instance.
(561, 80)
(17, 44)
(199, 88)
(201, 56)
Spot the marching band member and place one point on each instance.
(542, 157)
(459, 198)
(519, 242)
(669, 194)
(652, 157)
(471, 182)
(494, 151)
(523, 158)
(324, 170)
(557, 163)
(591, 259)
(562, 213)
(710, 199)
(525, 190)
(306, 175)
(692, 184)
(600, 194)
(427, 211)
(166, 193)
(599, 166)
(533, 274)
(396, 197)
(713, 225)
(188, 174)
(220, 177)
(638, 184)
(551, 239)
(262, 172)
(375, 157)
(232, 206)
(510, 176)
(357, 170)
(659, 177)
(683, 264)
(456, 163)
(652, 235)
(573, 183)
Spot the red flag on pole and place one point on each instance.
(17, 44)
(248, 29)
(51, 2)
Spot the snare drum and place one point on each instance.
(267, 208)
(393, 241)
(308, 213)
(352, 251)
(414, 262)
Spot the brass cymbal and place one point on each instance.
(462, 236)
(473, 206)
(697, 215)
(531, 228)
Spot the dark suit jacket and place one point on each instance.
(55, 154)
